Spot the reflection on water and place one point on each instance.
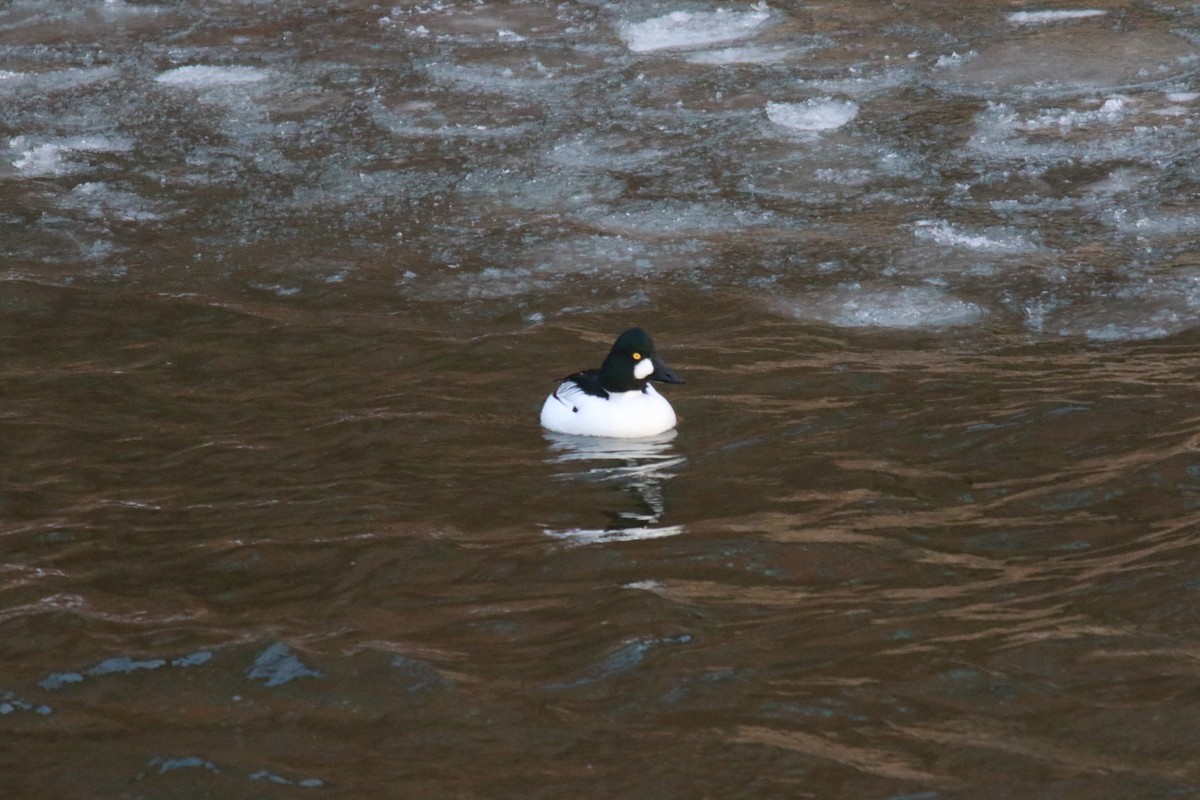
(638, 467)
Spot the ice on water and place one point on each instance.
(202, 76)
(748, 54)
(683, 30)
(1140, 307)
(986, 241)
(1060, 15)
(817, 114)
(34, 156)
(906, 307)
(559, 157)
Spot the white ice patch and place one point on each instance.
(44, 159)
(1113, 111)
(591, 151)
(817, 114)
(1073, 135)
(1044, 17)
(98, 200)
(684, 30)
(955, 59)
(752, 54)
(201, 76)
(549, 192)
(55, 80)
(911, 307)
(525, 76)
(1162, 223)
(989, 240)
(585, 536)
(1070, 58)
(674, 219)
(119, 8)
(1146, 306)
(53, 157)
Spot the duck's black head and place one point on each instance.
(632, 362)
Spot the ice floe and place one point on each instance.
(59, 156)
(990, 240)
(1069, 60)
(816, 114)
(684, 30)
(201, 76)
(1044, 17)
(908, 307)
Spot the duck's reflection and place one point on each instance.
(640, 467)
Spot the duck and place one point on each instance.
(616, 400)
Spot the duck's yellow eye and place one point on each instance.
(637, 356)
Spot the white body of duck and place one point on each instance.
(616, 400)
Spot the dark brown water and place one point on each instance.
(276, 516)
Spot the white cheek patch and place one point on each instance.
(643, 369)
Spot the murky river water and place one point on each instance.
(283, 290)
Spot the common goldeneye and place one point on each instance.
(616, 400)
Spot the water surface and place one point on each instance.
(283, 289)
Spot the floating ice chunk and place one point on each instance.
(1043, 17)
(911, 307)
(1162, 223)
(1147, 306)
(192, 659)
(1111, 112)
(277, 665)
(45, 159)
(264, 775)
(117, 8)
(1073, 135)
(684, 30)
(56, 80)
(166, 765)
(1113, 332)
(585, 536)
(955, 59)
(608, 152)
(753, 54)
(674, 219)
(53, 157)
(124, 664)
(816, 114)
(10, 703)
(1075, 58)
(201, 76)
(57, 680)
(991, 240)
(552, 192)
(1111, 321)
(98, 200)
